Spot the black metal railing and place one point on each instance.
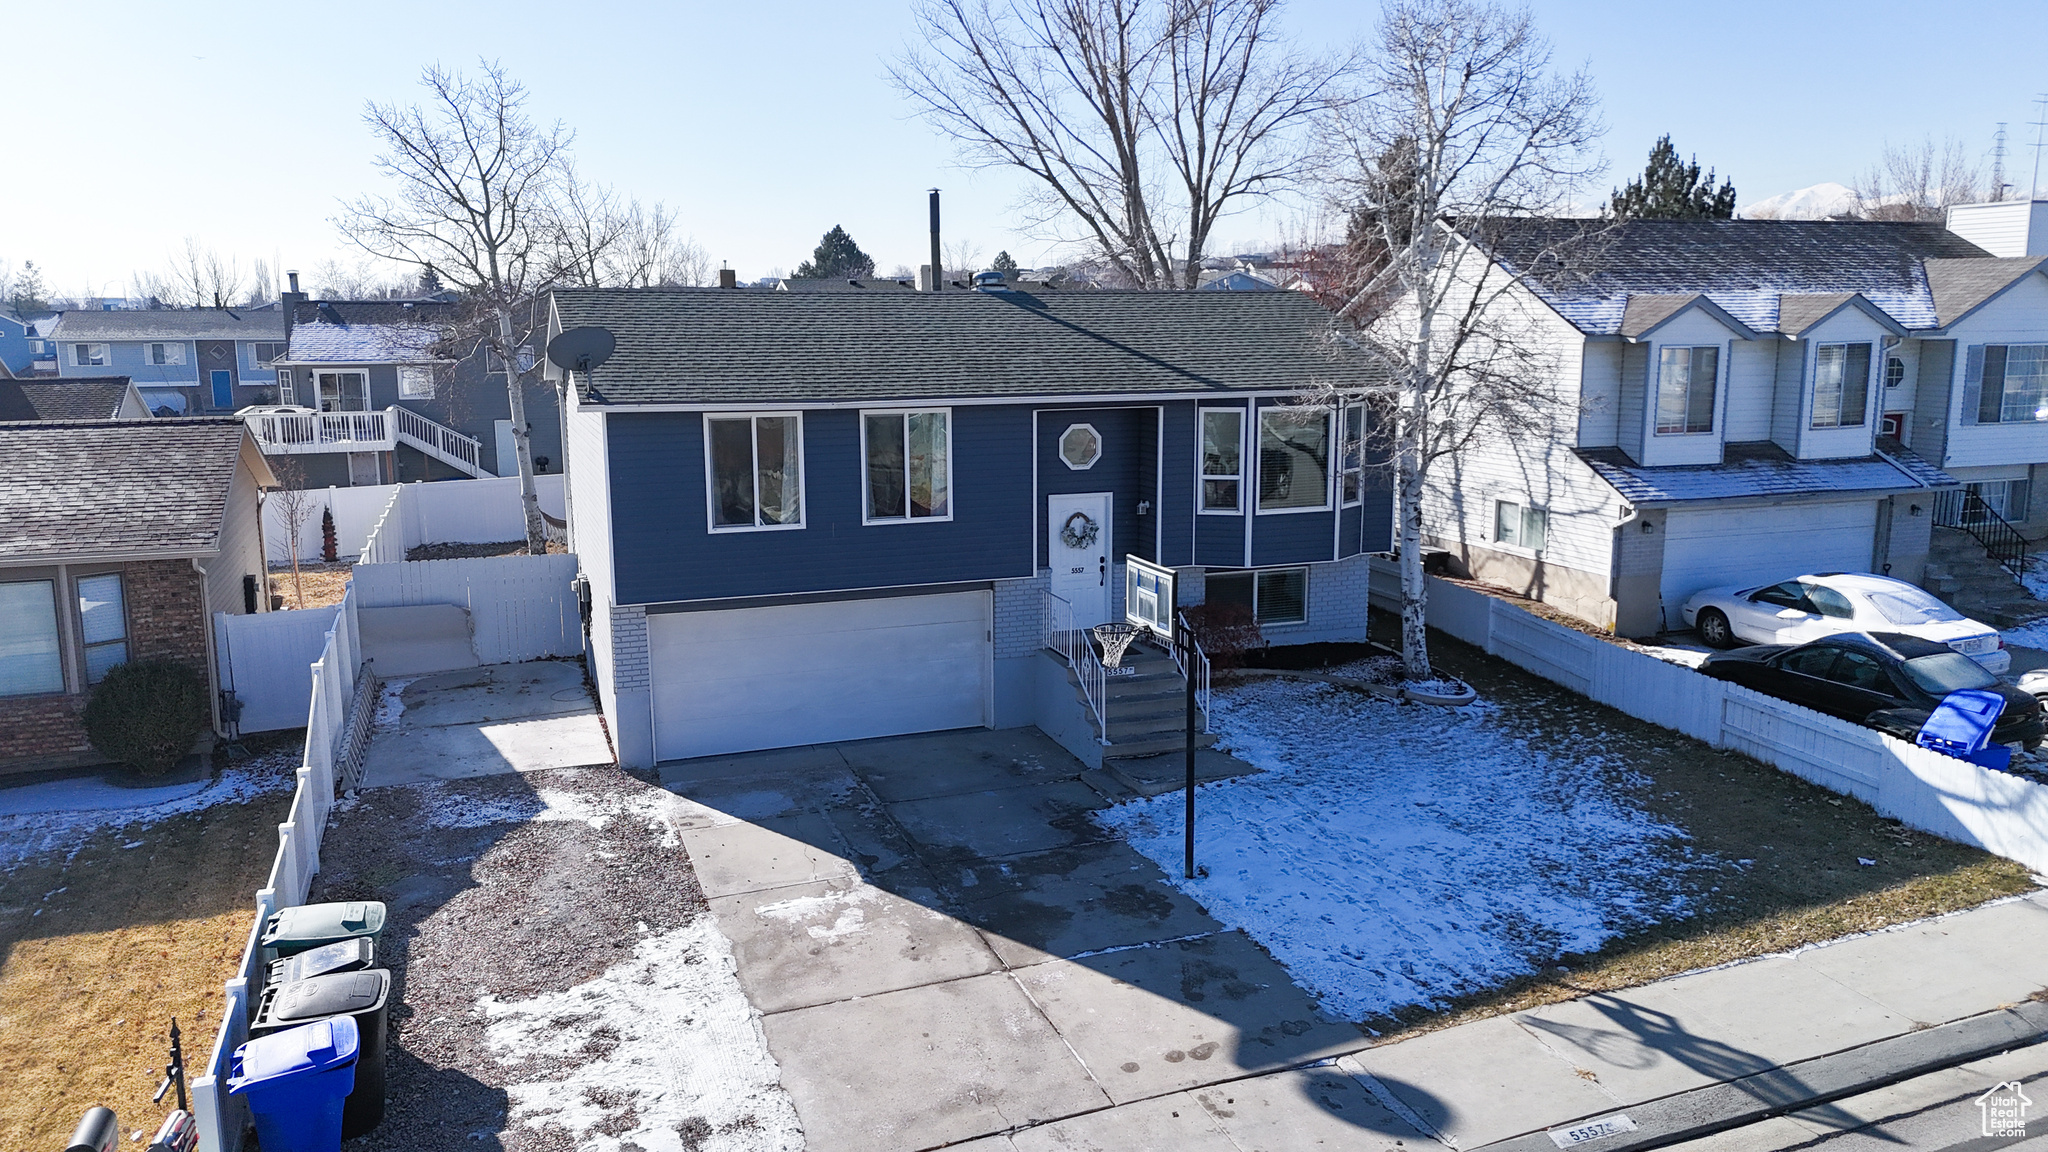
(1966, 510)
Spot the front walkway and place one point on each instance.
(947, 951)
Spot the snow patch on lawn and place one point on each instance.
(442, 805)
(660, 1045)
(63, 814)
(1393, 855)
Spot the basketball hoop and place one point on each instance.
(1115, 640)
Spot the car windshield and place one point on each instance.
(1912, 606)
(1946, 672)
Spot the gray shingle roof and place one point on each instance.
(116, 487)
(362, 343)
(172, 324)
(855, 284)
(64, 398)
(719, 346)
(1959, 286)
(1762, 468)
(1745, 266)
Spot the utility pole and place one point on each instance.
(2040, 123)
(1998, 163)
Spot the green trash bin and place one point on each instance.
(340, 956)
(290, 931)
(364, 996)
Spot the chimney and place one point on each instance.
(728, 278)
(938, 276)
(289, 300)
(924, 278)
(293, 276)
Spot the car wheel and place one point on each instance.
(1714, 630)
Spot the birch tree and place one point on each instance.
(1466, 133)
(1141, 123)
(473, 176)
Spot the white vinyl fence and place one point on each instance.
(262, 660)
(337, 723)
(442, 512)
(1953, 798)
(520, 607)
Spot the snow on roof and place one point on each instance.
(1762, 469)
(363, 344)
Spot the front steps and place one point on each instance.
(1146, 709)
(1959, 571)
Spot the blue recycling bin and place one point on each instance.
(296, 1081)
(1961, 724)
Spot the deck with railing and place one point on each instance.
(377, 430)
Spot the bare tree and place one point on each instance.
(295, 504)
(1918, 181)
(1141, 122)
(198, 276)
(474, 177)
(360, 279)
(1468, 134)
(262, 285)
(595, 238)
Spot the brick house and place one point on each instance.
(119, 541)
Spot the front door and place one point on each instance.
(223, 389)
(1078, 551)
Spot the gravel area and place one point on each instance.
(472, 551)
(556, 989)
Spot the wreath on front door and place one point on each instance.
(1079, 531)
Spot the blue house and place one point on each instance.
(186, 361)
(817, 517)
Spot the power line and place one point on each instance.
(2040, 138)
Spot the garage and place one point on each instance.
(1706, 548)
(752, 678)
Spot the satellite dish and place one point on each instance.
(581, 349)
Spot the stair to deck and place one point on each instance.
(1961, 573)
(1146, 708)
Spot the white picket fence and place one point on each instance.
(520, 607)
(442, 512)
(335, 727)
(1952, 798)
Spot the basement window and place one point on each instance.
(1275, 595)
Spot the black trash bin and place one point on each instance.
(366, 997)
(301, 928)
(340, 956)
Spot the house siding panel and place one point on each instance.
(1127, 469)
(1179, 484)
(663, 550)
(1600, 395)
(1293, 539)
(1752, 385)
(241, 549)
(1630, 418)
(1788, 395)
(1933, 382)
(2018, 316)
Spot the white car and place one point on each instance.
(1810, 607)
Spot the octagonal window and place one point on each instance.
(1080, 446)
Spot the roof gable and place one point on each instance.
(1800, 313)
(1960, 287)
(63, 398)
(1645, 313)
(81, 488)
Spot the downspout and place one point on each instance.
(206, 626)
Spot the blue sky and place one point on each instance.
(766, 123)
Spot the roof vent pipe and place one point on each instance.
(938, 265)
(990, 281)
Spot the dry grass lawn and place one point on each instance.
(322, 584)
(99, 951)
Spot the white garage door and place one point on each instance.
(1710, 547)
(751, 678)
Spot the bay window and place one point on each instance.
(1841, 385)
(753, 465)
(1685, 390)
(2005, 383)
(1222, 459)
(1294, 459)
(1352, 453)
(909, 458)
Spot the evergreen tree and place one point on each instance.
(430, 281)
(1005, 265)
(837, 258)
(29, 291)
(1669, 190)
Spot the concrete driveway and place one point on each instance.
(945, 949)
(485, 721)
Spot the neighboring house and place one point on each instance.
(396, 403)
(119, 542)
(1742, 401)
(814, 517)
(25, 345)
(1236, 280)
(187, 361)
(87, 398)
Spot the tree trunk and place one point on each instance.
(1410, 453)
(522, 446)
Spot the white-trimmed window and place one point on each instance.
(285, 392)
(1222, 459)
(167, 352)
(753, 465)
(1275, 595)
(265, 351)
(1841, 385)
(1894, 371)
(909, 465)
(1294, 459)
(1520, 526)
(30, 660)
(2005, 383)
(89, 355)
(103, 624)
(1351, 454)
(415, 382)
(1685, 390)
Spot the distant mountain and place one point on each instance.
(1816, 203)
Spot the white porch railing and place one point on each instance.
(1078, 648)
(439, 440)
(323, 431)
